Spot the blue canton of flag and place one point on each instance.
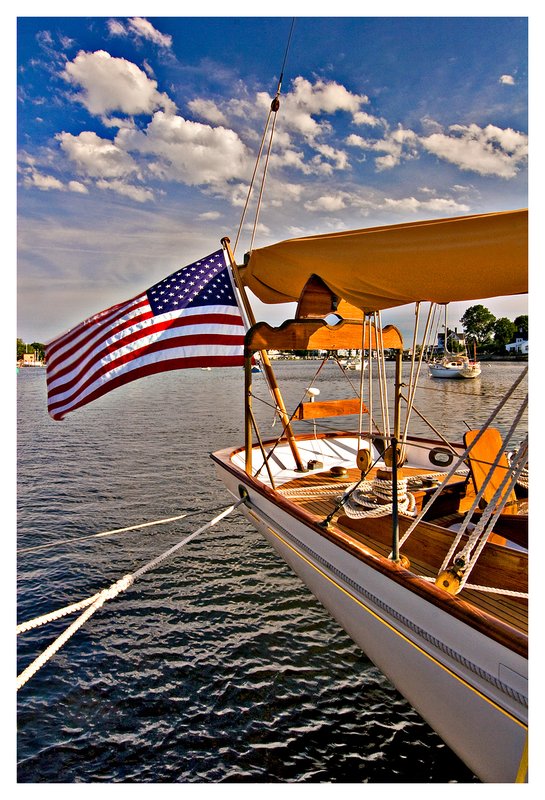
(204, 283)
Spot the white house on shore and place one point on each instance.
(520, 345)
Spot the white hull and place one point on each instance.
(468, 687)
(456, 371)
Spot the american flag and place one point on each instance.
(190, 319)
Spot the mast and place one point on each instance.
(445, 340)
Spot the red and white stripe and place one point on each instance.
(127, 341)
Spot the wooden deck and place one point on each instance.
(498, 566)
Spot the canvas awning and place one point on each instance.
(441, 260)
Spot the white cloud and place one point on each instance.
(189, 151)
(278, 193)
(487, 151)
(507, 79)
(118, 122)
(294, 159)
(138, 193)
(208, 110)
(324, 96)
(41, 181)
(141, 27)
(437, 205)
(114, 84)
(396, 145)
(363, 118)
(78, 187)
(339, 157)
(430, 125)
(209, 215)
(116, 28)
(300, 122)
(327, 203)
(45, 183)
(307, 100)
(96, 157)
(324, 162)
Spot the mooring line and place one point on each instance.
(97, 601)
(73, 539)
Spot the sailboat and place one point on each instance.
(453, 365)
(418, 547)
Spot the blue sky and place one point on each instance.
(137, 137)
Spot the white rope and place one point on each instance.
(99, 599)
(493, 590)
(103, 533)
(369, 376)
(477, 532)
(374, 499)
(382, 379)
(414, 377)
(105, 594)
(489, 519)
(524, 477)
(53, 615)
(314, 491)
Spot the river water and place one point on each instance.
(218, 665)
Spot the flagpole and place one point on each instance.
(267, 367)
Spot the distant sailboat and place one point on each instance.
(453, 365)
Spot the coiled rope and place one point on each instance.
(96, 602)
(375, 499)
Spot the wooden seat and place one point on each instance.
(481, 459)
(513, 520)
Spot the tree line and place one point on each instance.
(492, 334)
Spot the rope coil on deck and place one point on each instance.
(375, 499)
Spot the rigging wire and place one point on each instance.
(273, 110)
